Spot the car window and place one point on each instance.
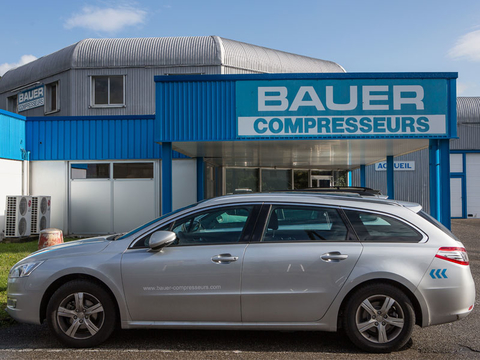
(304, 223)
(382, 228)
(144, 242)
(215, 226)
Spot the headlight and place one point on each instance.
(24, 269)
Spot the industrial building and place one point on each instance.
(96, 125)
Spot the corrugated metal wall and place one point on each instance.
(409, 185)
(468, 120)
(90, 138)
(12, 135)
(139, 89)
(205, 108)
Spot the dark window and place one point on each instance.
(12, 104)
(52, 99)
(382, 228)
(241, 180)
(133, 171)
(276, 180)
(304, 223)
(108, 90)
(90, 171)
(215, 226)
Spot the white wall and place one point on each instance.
(51, 178)
(10, 184)
(184, 182)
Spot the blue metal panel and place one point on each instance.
(390, 178)
(167, 178)
(90, 138)
(445, 206)
(362, 176)
(12, 135)
(205, 108)
(195, 111)
(200, 179)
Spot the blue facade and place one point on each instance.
(92, 138)
(12, 136)
(211, 107)
(314, 106)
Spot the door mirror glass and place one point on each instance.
(160, 239)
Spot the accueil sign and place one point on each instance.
(397, 166)
(351, 108)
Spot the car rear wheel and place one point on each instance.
(379, 318)
(81, 314)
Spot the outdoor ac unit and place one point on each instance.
(40, 213)
(18, 216)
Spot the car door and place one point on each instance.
(197, 279)
(304, 256)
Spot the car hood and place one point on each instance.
(71, 248)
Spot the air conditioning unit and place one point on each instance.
(18, 216)
(40, 213)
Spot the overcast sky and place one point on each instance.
(360, 35)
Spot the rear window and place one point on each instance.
(381, 228)
(438, 224)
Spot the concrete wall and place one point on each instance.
(11, 184)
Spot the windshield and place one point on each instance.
(154, 221)
(435, 222)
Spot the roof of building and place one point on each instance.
(468, 110)
(164, 52)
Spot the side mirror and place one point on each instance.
(160, 239)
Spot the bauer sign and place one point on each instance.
(342, 108)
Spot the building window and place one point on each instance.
(108, 90)
(133, 171)
(90, 171)
(12, 104)
(52, 101)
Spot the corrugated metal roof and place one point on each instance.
(468, 109)
(468, 120)
(41, 68)
(256, 58)
(162, 52)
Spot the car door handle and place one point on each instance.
(224, 258)
(335, 256)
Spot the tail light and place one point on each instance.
(457, 255)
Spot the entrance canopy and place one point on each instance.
(330, 121)
(332, 154)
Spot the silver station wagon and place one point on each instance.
(276, 261)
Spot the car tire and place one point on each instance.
(81, 314)
(379, 318)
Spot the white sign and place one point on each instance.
(31, 98)
(397, 166)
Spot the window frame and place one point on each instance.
(48, 97)
(93, 105)
(264, 217)
(393, 216)
(12, 100)
(245, 237)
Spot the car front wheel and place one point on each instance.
(81, 314)
(379, 318)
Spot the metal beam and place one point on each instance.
(167, 184)
(390, 178)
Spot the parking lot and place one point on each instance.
(460, 339)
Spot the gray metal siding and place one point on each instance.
(468, 120)
(409, 185)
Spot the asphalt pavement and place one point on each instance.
(460, 340)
